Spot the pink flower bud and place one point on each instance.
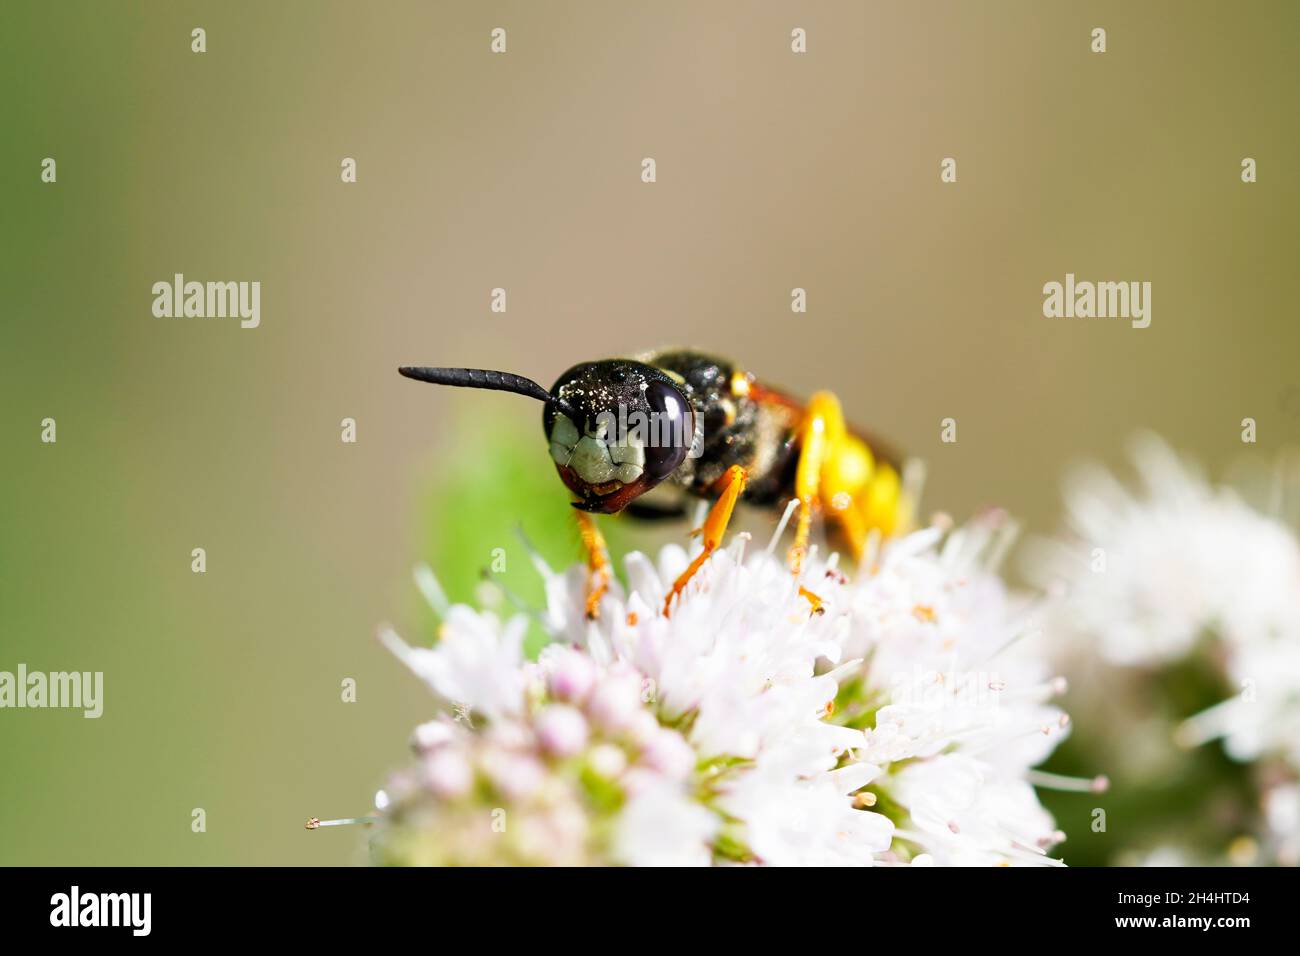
(572, 674)
(562, 730)
(669, 753)
(615, 702)
(448, 774)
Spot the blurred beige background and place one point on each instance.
(522, 171)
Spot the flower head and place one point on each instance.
(896, 722)
(1181, 568)
(1189, 594)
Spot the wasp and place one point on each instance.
(686, 425)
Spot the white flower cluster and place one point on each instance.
(1181, 567)
(1180, 573)
(896, 724)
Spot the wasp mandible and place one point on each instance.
(689, 425)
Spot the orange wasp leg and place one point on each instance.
(714, 527)
(593, 542)
(854, 524)
(822, 430)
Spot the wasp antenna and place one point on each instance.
(488, 379)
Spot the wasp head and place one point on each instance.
(632, 426)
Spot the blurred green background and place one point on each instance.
(475, 171)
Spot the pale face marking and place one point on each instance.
(594, 461)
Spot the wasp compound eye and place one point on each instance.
(672, 429)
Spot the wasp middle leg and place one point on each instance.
(714, 527)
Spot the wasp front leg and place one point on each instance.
(598, 570)
(713, 529)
